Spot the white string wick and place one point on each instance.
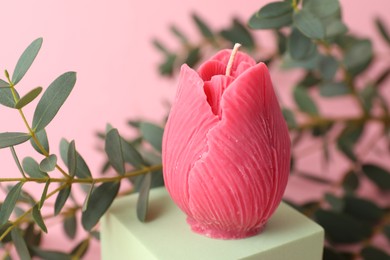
(231, 59)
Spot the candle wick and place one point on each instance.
(231, 59)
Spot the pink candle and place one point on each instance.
(226, 148)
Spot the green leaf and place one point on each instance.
(384, 32)
(358, 56)
(367, 96)
(348, 138)
(159, 46)
(100, 200)
(4, 84)
(3, 228)
(36, 214)
(152, 134)
(29, 97)
(335, 28)
(330, 254)
(42, 139)
(328, 67)
(379, 176)
(179, 34)
(6, 97)
(289, 117)
(83, 246)
(309, 24)
(44, 193)
(143, 198)
(49, 163)
(9, 202)
(16, 159)
(49, 254)
(61, 199)
(350, 181)
(131, 155)
(26, 60)
(282, 42)
(8, 139)
(238, 33)
(272, 16)
(167, 67)
(371, 252)
(31, 167)
(203, 27)
(322, 8)
(300, 47)
(82, 170)
(20, 244)
(336, 202)
(52, 100)
(304, 101)
(309, 63)
(341, 228)
(386, 231)
(72, 159)
(334, 89)
(114, 151)
(193, 57)
(70, 226)
(362, 209)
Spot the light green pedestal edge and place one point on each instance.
(167, 236)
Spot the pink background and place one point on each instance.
(108, 43)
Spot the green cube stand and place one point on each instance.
(167, 236)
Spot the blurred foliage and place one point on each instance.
(311, 36)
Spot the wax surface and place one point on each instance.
(226, 149)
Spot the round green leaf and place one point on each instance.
(52, 100)
(272, 16)
(49, 163)
(334, 89)
(309, 25)
(341, 228)
(379, 176)
(26, 60)
(358, 56)
(328, 67)
(29, 97)
(299, 46)
(304, 101)
(350, 181)
(238, 33)
(31, 167)
(43, 140)
(336, 202)
(322, 8)
(362, 209)
(70, 226)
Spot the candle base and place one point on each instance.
(222, 234)
(166, 235)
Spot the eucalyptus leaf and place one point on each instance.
(203, 27)
(114, 151)
(363, 209)
(167, 67)
(25, 60)
(358, 56)
(7, 98)
(152, 134)
(72, 159)
(371, 252)
(161, 47)
(299, 46)
(350, 181)
(52, 100)
(384, 32)
(49, 163)
(9, 202)
(3, 228)
(378, 175)
(304, 101)
(334, 89)
(309, 24)
(80, 249)
(61, 199)
(20, 244)
(367, 95)
(289, 117)
(272, 16)
(143, 197)
(31, 167)
(28, 98)
(41, 136)
(193, 57)
(336, 203)
(82, 169)
(328, 67)
(335, 28)
(321, 8)
(341, 228)
(386, 231)
(8, 139)
(37, 216)
(3, 84)
(348, 138)
(70, 226)
(179, 34)
(100, 200)
(309, 63)
(131, 155)
(44, 194)
(16, 159)
(238, 33)
(50, 255)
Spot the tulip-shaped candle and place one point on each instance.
(226, 148)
